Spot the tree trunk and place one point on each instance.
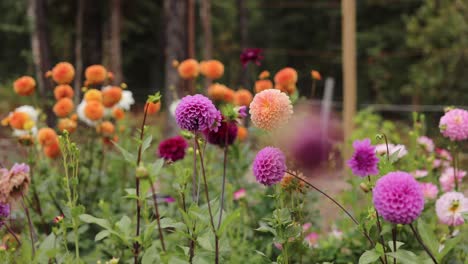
(205, 14)
(79, 50)
(175, 15)
(243, 32)
(190, 84)
(39, 43)
(115, 58)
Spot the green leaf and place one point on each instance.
(407, 257)
(398, 245)
(47, 249)
(157, 166)
(146, 143)
(169, 222)
(206, 241)
(125, 225)
(129, 157)
(228, 220)
(94, 220)
(448, 246)
(428, 236)
(151, 255)
(379, 249)
(369, 256)
(101, 235)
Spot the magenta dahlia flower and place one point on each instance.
(398, 198)
(197, 113)
(219, 137)
(450, 208)
(454, 124)
(173, 149)
(269, 166)
(253, 55)
(364, 160)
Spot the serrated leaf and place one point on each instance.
(369, 256)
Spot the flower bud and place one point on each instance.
(141, 172)
(364, 187)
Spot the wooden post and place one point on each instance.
(348, 10)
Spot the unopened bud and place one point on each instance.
(364, 187)
(141, 172)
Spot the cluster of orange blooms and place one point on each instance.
(99, 107)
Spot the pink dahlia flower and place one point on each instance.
(269, 166)
(427, 143)
(450, 208)
(398, 198)
(270, 109)
(197, 113)
(364, 161)
(429, 190)
(447, 179)
(454, 124)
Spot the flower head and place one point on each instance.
(285, 80)
(243, 97)
(63, 73)
(429, 190)
(312, 239)
(315, 75)
(239, 194)
(364, 160)
(94, 110)
(172, 149)
(212, 69)
(447, 179)
(253, 55)
(127, 100)
(111, 96)
(106, 128)
(95, 74)
(67, 124)
(63, 91)
(153, 108)
(188, 69)
(197, 113)
(63, 107)
(426, 143)
(18, 180)
(47, 136)
(226, 133)
(52, 151)
(450, 208)
(398, 198)
(270, 109)
(24, 86)
(269, 166)
(309, 149)
(454, 124)
(93, 95)
(262, 85)
(220, 92)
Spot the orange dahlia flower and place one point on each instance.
(153, 108)
(270, 109)
(212, 69)
(94, 110)
(67, 124)
(52, 151)
(24, 86)
(63, 73)
(63, 107)
(106, 128)
(316, 75)
(242, 133)
(264, 75)
(188, 69)
(18, 120)
(286, 79)
(95, 74)
(262, 85)
(63, 91)
(93, 95)
(47, 136)
(118, 113)
(243, 97)
(111, 96)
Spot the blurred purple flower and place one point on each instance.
(4, 212)
(251, 55)
(242, 111)
(169, 199)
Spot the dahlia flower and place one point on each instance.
(270, 109)
(172, 149)
(253, 55)
(419, 173)
(80, 110)
(24, 85)
(239, 194)
(226, 129)
(126, 101)
(398, 198)
(451, 207)
(454, 124)
(309, 148)
(427, 143)
(364, 161)
(269, 166)
(16, 183)
(447, 179)
(429, 190)
(197, 113)
(63, 73)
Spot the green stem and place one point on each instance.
(31, 228)
(416, 234)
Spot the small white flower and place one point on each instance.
(173, 107)
(32, 113)
(127, 100)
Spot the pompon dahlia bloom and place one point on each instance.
(94, 110)
(52, 151)
(63, 91)
(429, 190)
(197, 113)
(454, 124)
(173, 149)
(398, 198)
(243, 97)
(451, 207)
(269, 166)
(188, 69)
(270, 109)
(212, 69)
(220, 92)
(427, 143)
(93, 95)
(447, 179)
(95, 74)
(219, 137)
(106, 128)
(286, 79)
(67, 124)
(24, 85)
(262, 85)
(63, 73)
(253, 55)
(364, 160)
(111, 95)
(47, 136)
(63, 107)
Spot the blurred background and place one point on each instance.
(409, 52)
